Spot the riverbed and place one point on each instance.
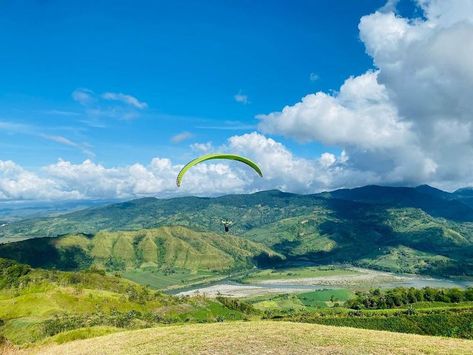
(363, 279)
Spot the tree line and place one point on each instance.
(402, 296)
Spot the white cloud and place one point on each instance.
(410, 120)
(202, 147)
(127, 99)
(360, 114)
(17, 183)
(180, 137)
(89, 180)
(241, 98)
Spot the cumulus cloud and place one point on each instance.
(17, 183)
(89, 180)
(410, 119)
(406, 121)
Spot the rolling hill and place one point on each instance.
(163, 248)
(37, 304)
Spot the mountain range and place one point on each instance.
(420, 229)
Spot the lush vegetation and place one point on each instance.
(300, 302)
(418, 230)
(37, 304)
(74, 287)
(41, 306)
(441, 312)
(451, 322)
(400, 296)
(165, 248)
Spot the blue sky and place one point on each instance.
(107, 99)
(187, 61)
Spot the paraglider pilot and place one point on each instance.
(227, 225)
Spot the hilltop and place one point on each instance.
(260, 337)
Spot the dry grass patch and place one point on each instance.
(259, 337)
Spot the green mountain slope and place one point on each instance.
(247, 211)
(397, 239)
(165, 247)
(418, 229)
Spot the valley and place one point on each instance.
(306, 279)
(297, 259)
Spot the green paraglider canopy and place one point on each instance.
(216, 156)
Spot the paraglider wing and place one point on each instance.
(216, 156)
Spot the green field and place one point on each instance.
(324, 298)
(297, 273)
(259, 337)
(301, 302)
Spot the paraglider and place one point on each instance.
(216, 156)
(226, 223)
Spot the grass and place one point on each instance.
(297, 273)
(324, 298)
(82, 333)
(259, 337)
(306, 301)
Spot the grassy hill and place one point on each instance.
(36, 305)
(163, 248)
(399, 229)
(262, 337)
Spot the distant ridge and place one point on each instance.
(433, 201)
